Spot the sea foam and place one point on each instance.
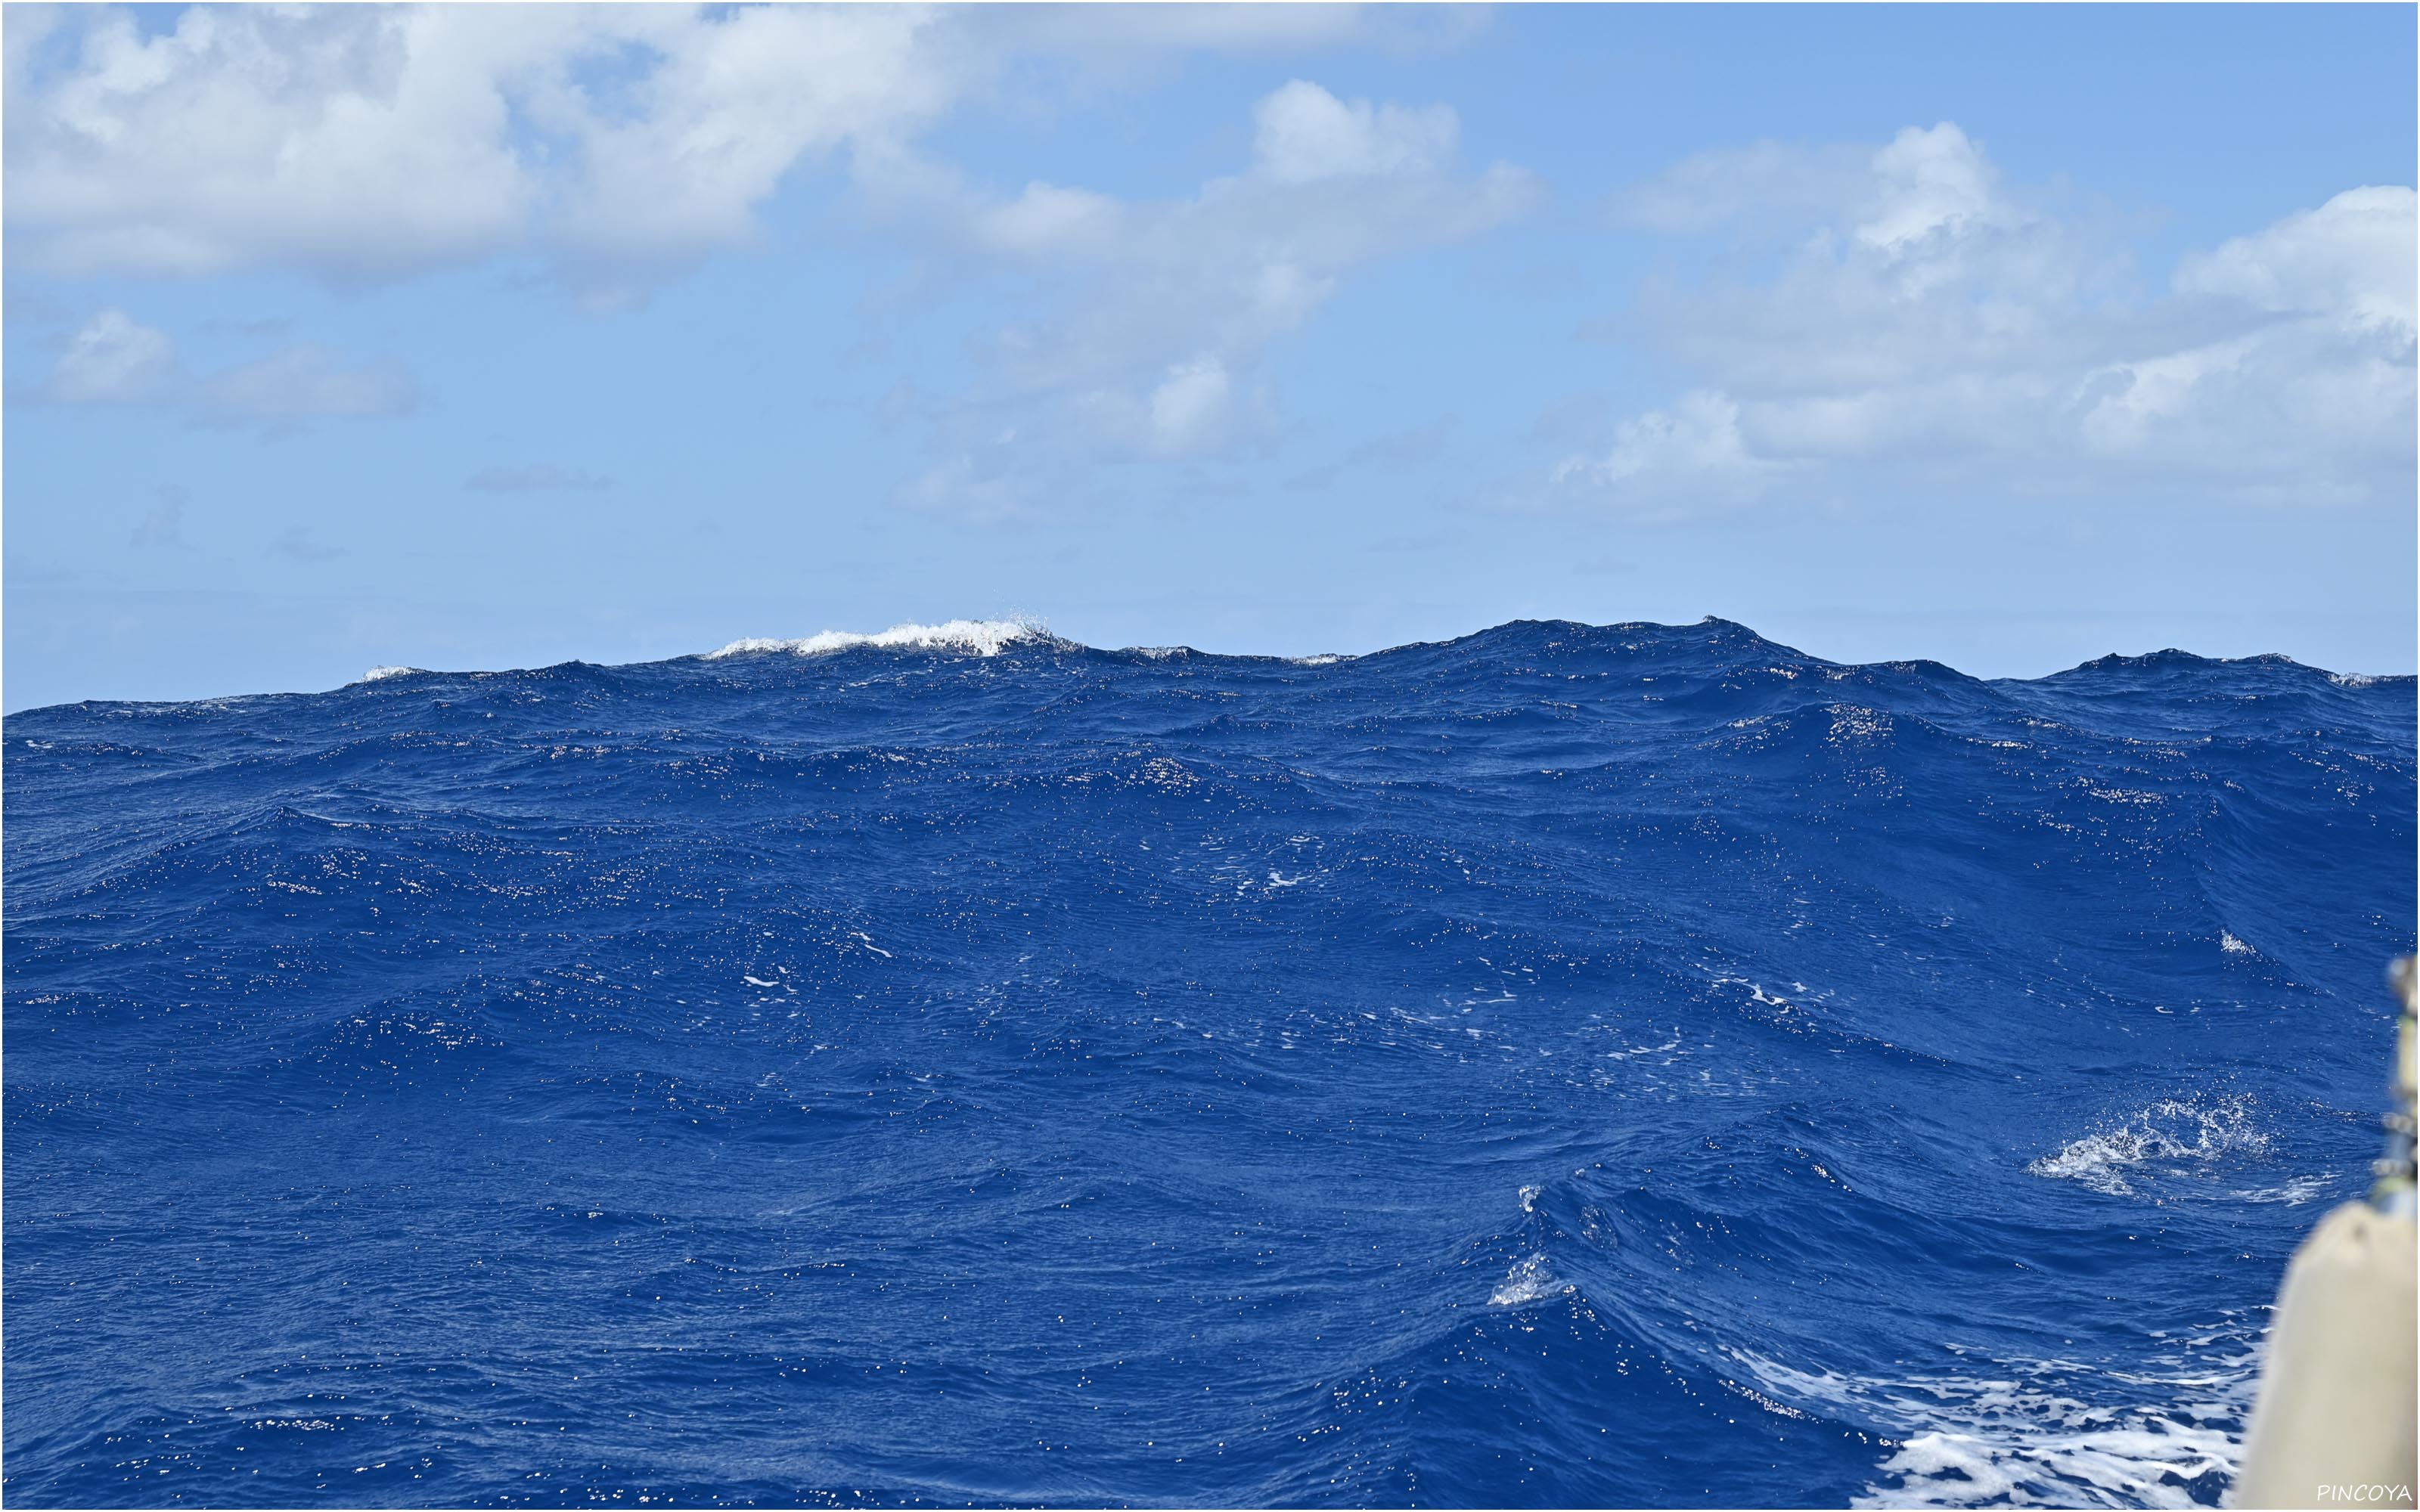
(2028, 1432)
(2166, 1132)
(984, 637)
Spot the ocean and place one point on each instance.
(1568, 1065)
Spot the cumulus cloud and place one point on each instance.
(1925, 184)
(1156, 314)
(371, 142)
(350, 139)
(1245, 260)
(112, 360)
(1190, 406)
(1696, 445)
(115, 359)
(617, 143)
(1304, 134)
(1930, 184)
(1049, 218)
(613, 147)
(2352, 257)
(1928, 316)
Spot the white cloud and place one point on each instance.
(1117, 36)
(2353, 258)
(1046, 218)
(1304, 134)
(356, 141)
(729, 107)
(1159, 311)
(1243, 262)
(1927, 184)
(1190, 407)
(1693, 447)
(1934, 320)
(112, 360)
(614, 146)
(1768, 187)
(367, 142)
(619, 143)
(115, 359)
(976, 491)
(304, 382)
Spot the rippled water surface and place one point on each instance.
(1567, 1065)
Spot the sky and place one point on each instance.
(487, 336)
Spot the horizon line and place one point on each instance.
(993, 637)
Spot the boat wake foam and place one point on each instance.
(2021, 1432)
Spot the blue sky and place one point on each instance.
(490, 337)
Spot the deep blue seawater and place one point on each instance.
(1566, 1065)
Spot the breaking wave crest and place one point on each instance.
(2172, 1135)
(1529, 1280)
(983, 638)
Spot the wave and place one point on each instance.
(948, 1051)
(1532, 1279)
(2168, 1136)
(2029, 1431)
(1740, 651)
(983, 638)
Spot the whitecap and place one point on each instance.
(380, 674)
(984, 637)
(2170, 1129)
(1529, 1281)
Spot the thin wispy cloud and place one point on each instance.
(536, 477)
(114, 360)
(303, 543)
(165, 525)
(1158, 314)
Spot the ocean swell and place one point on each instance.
(1565, 1065)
